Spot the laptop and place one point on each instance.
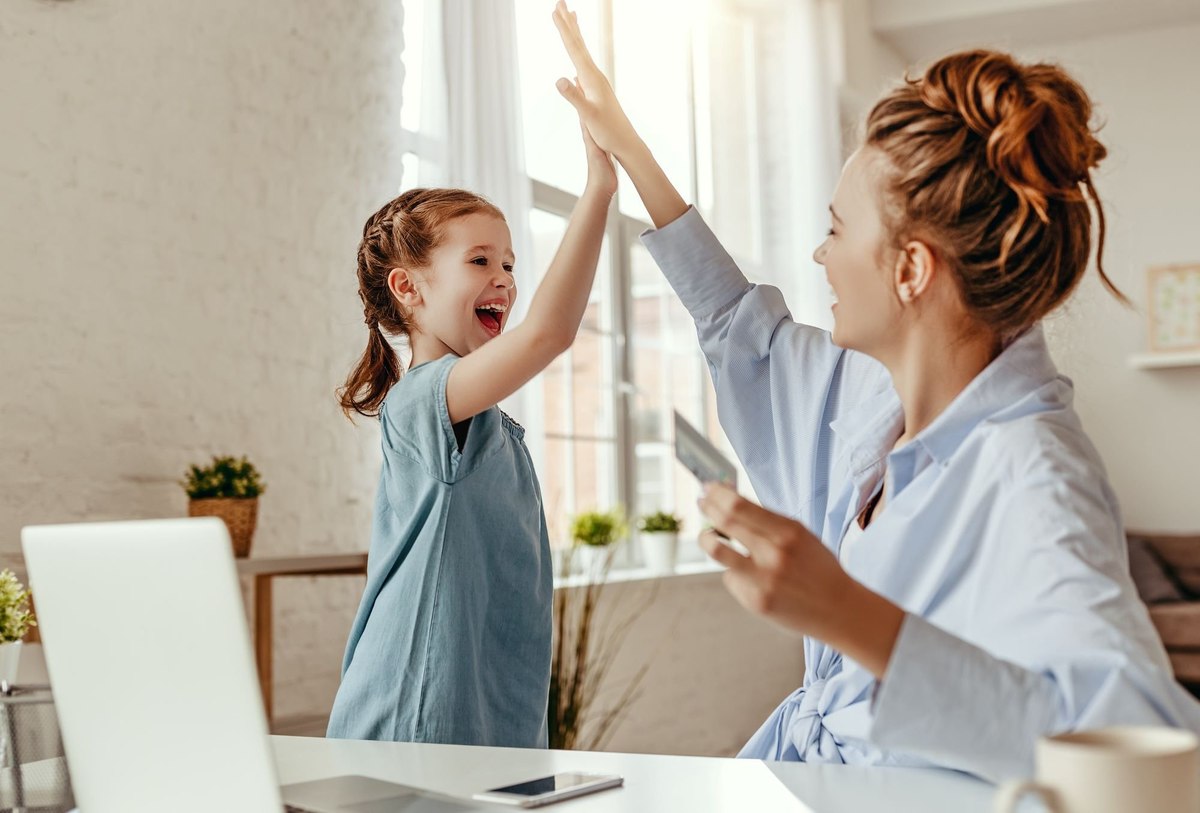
(149, 658)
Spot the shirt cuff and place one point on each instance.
(697, 266)
(905, 685)
(946, 699)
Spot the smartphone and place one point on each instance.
(700, 457)
(550, 789)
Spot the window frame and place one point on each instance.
(623, 232)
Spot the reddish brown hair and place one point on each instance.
(402, 234)
(990, 162)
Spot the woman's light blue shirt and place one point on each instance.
(1002, 539)
(451, 642)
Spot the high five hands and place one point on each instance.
(591, 94)
(593, 99)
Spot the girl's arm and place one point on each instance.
(500, 367)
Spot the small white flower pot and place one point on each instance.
(591, 558)
(660, 550)
(10, 661)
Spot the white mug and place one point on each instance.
(1126, 769)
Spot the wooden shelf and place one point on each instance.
(1155, 361)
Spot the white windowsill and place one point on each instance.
(638, 574)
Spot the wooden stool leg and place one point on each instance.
(262, 639)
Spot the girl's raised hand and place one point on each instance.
(591, 94)
(602, 175)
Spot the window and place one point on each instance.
(576, 398)
(553, 150)
(652, 56)
(606, 406)
(420, 113)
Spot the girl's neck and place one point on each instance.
(426, 348)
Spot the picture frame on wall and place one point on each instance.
(1174, 308)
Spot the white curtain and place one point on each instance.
(813, 119)
(485, 150)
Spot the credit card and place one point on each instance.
(700, 457)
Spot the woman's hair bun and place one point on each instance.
(1035, 120)
(990, 161)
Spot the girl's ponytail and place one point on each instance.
(372, 377)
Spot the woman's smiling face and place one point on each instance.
(857, 257)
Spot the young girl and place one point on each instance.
(451, 642)
(964, 589)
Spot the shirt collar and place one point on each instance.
(1021, 369)
(870, 428)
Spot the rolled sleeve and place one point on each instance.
(695, 264)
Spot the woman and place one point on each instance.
(966, 589)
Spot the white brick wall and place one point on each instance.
(182, 186)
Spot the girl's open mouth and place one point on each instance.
(490, 320)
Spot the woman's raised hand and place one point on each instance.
(591, 94)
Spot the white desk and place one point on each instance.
(653, 784)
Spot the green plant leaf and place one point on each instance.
(224, 477)
(660, 522)
(15, 616)
(599, 528)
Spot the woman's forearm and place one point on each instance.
(865, 628)
(662, 200)
(557, 307)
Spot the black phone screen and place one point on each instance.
(545, 784)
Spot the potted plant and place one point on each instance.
(594, 534)
(15, 620)
(659, 535)
(227, 488)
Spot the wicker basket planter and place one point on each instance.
(239, 514)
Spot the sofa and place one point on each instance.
(1166, 571)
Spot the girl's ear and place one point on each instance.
(915, 269)
(402, 283)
